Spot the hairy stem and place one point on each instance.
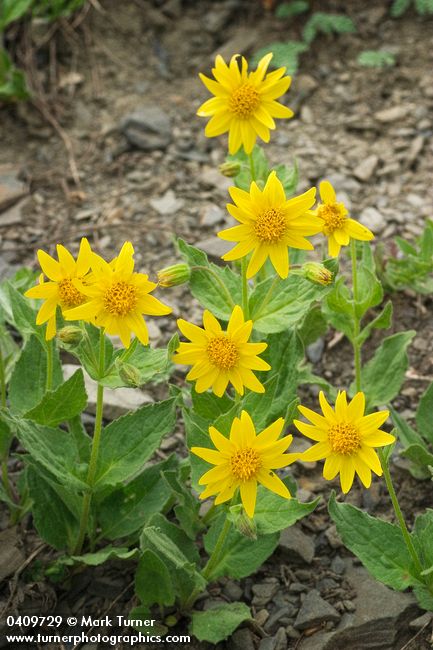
(356, 325)
(245, 306)
(49, 382)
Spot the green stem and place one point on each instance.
(356, 325)
(245, 306)
(2, 379)
(49, 382)
(398, 513)
(87, 499)
(252, 169)
(218, 279)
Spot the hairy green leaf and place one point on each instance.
(217, 624)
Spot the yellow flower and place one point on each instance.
(345, 438)
(118, 298)
(60, 290)
(336, 225)
(219, 357)
(270, 223)
(245, 460)
(244, 102)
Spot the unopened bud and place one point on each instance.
(230, 168)
(71, 335)
(243, 524)
(174, 275)
(317, 273)
(130, 375)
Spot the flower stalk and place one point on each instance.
(356, 325)
(49, 349)
(95, 448)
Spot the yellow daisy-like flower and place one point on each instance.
(60, 290)
(118, 298)
(336, 224)
(270, 223)
(245, 460)
(345, 439)
(244, 102)
(219, 357)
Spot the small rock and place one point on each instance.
(315, 350)
(292, 633)
(218, 16)
(284, 614)
(365, 170)
(14, 215)
(373, 219)
(212, 178)
(116, 402)
(11, 556)
(277, 642)
(338, 565)
(167, 204)
(307, 115)
(11, 189)
(297, 588)
(242, 41)
(261, 617)
(393, 114)
(232, 591)
(421, 621)
(296, 544)
(242, 640)
(314, 611)
(211, 215)
(333, 537)
(264, 592)
(147, 128)
(214, 246)
(415, 149)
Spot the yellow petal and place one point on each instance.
(347, 473)
(49, 266)
(209, 455)
(272, 482)
(327, 192)
(248, 496)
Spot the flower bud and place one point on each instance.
(129, 374)
(230, 168)
(317, 273)
(71, 335)
(174, 275)
(243, 524)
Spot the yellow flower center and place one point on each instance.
(270, 226)
(332, 214)
(222, 353)
(244, 101)
(120, 299)
(69, 296)
(344, 438)
(245, 464)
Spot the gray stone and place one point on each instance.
(284, 614)
(167, 204)
(373, 219)
(11, 189)
(116, 401)
(296, 544)
(14, 215)
(315, 350)
(333, 537)
(214, 246)
(242, 41)
(210, 177)
(11, 556)
(264, 592)
(277, 642)
(366, 168)
(314, 611)
(211, 215)
(393, 114)
(242, 640)
(338, 565)
(421, 621)
(147, 128)
(232, 591)
(381, 620)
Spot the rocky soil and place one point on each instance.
(126, 97)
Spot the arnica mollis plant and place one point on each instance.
(218, 508)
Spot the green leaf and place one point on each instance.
(424, 415)
(289, 177)
(54, 522)
(399, 7)
(6, 437)
(407, 435)
(127, 443)
(383, 375)
(419, 455)
(278, 305)
(323, 23)
(28, 382)
(217, 289)
(217, 624)
(377, 543)
(209, 406)
(105, 554)
(273, 513)
(313, 326)
(240, 556)
(293, 8)
(62, 404)
(54, 449)
(424, 597)
(376, 59)
(128, 508)
(286, 55)
(187, 546)
(422, 536)
(188, 506)
(382, 321)
(11, 10)
(19, 313)
(370, 292)
(261, 167)
(150, 363)
(87, 353)
(153, 582)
